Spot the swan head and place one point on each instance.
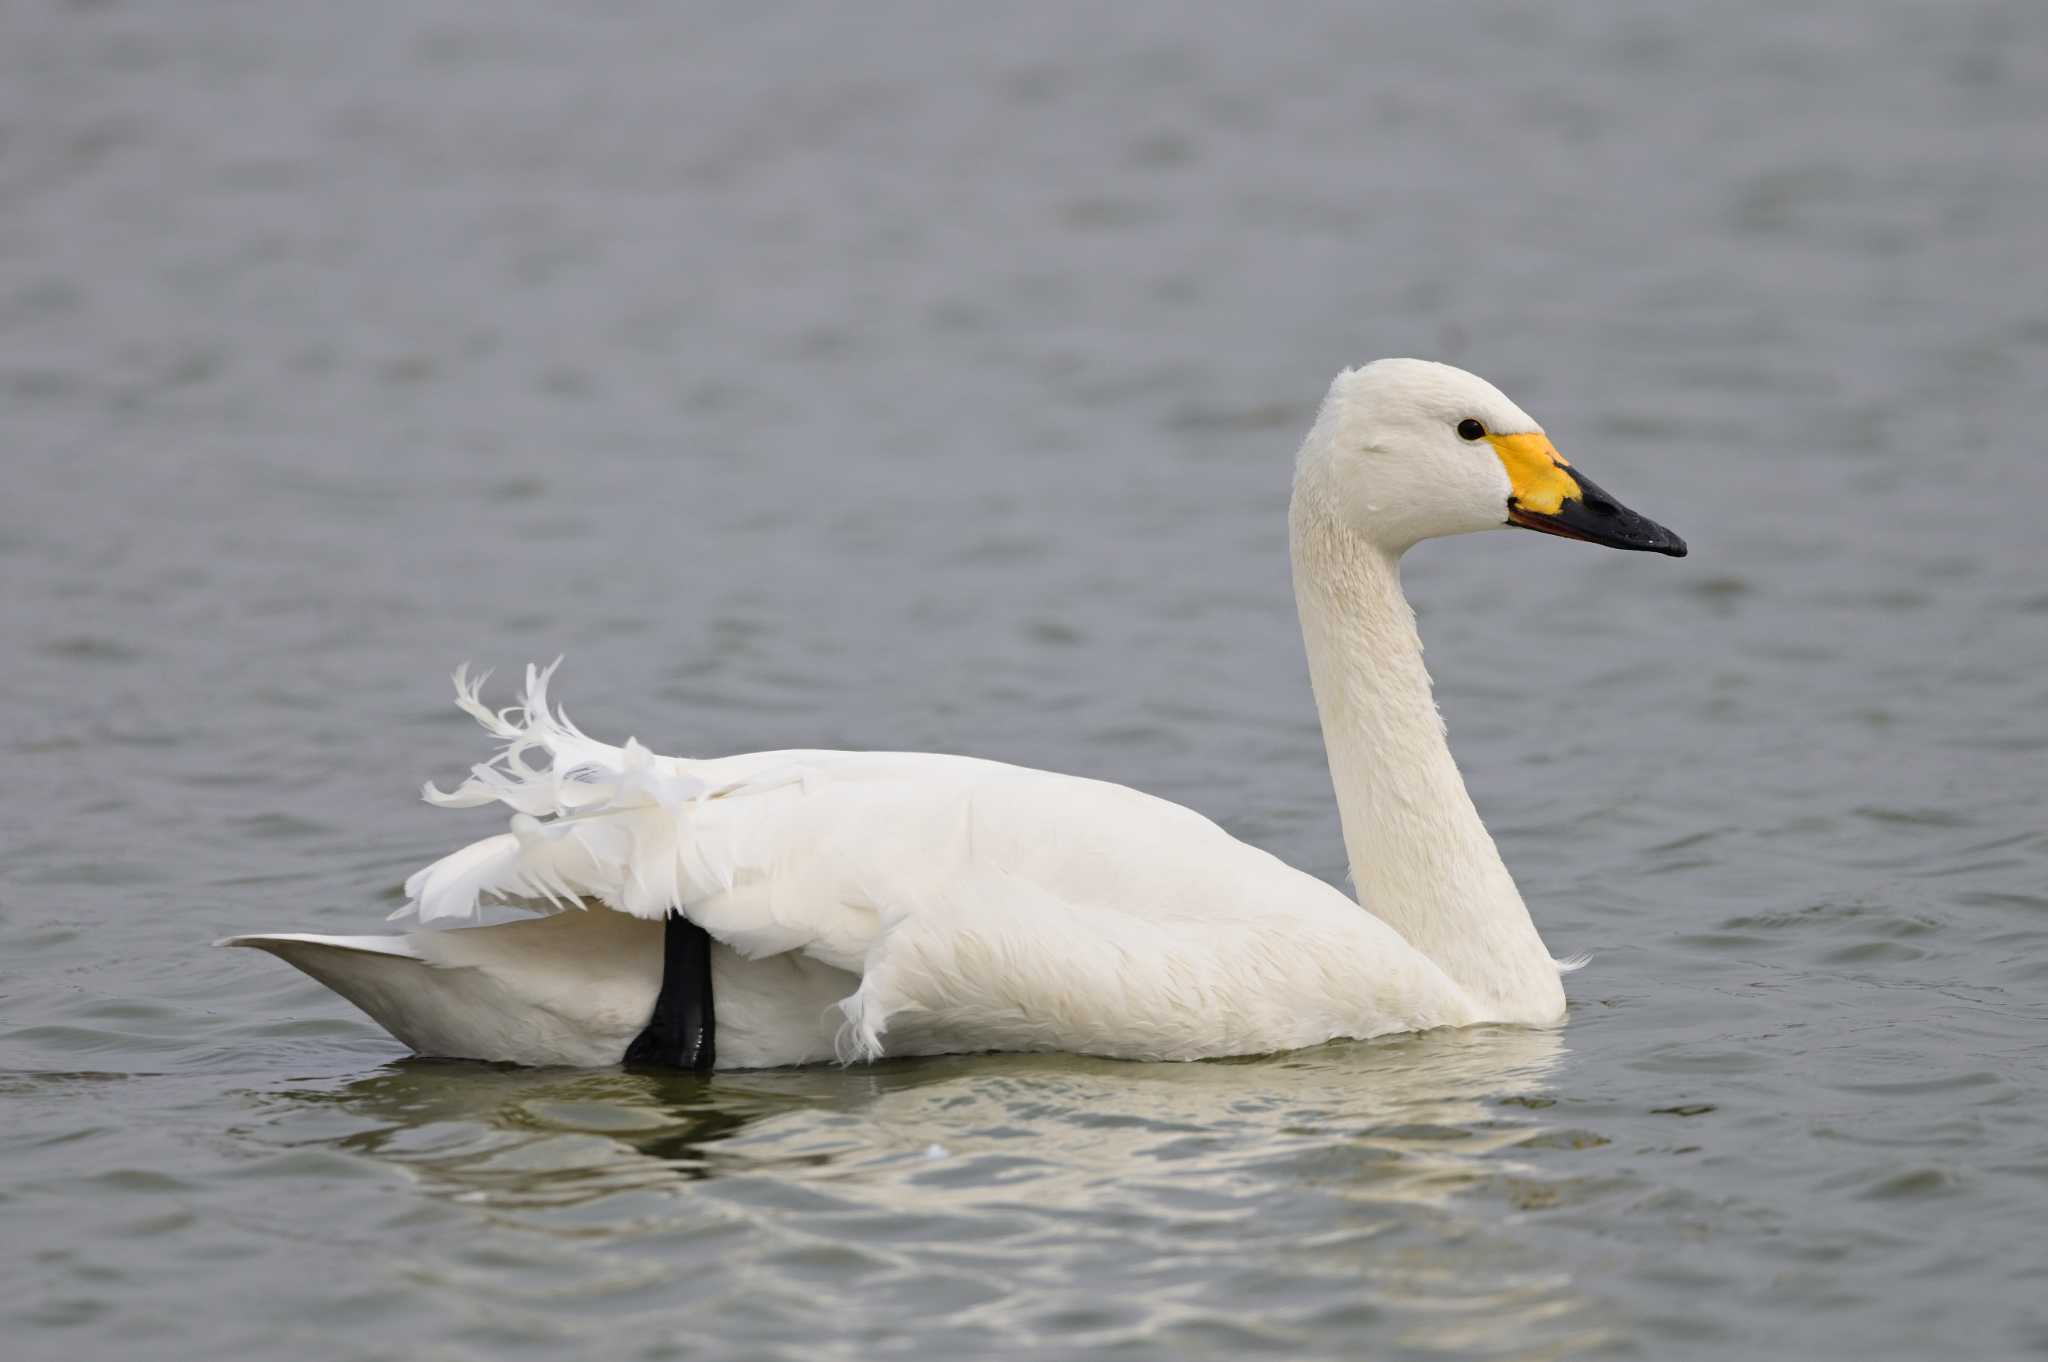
(1408, 450)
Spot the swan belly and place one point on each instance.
(1016, 968)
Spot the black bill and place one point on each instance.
(1597, 518)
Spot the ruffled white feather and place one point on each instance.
(598, 821)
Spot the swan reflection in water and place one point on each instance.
(1409, 1118)
(1380, 1178)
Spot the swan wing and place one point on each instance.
(978, 905)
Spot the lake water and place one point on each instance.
(927, 377)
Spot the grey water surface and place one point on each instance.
(909, 377)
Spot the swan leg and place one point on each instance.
(682, 1033)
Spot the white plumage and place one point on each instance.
(877, 903)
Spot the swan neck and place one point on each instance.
(1420, 858)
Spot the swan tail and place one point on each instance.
(569, 989)
(382, 975)
(617, 824)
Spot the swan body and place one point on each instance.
(863, 904)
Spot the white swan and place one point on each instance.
(861, 904)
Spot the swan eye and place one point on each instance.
(1471, 429)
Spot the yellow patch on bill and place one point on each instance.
(1536, 471)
